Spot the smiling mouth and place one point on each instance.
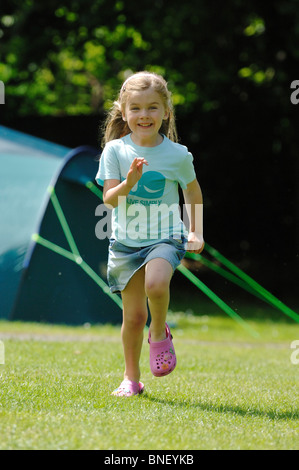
(145, 125)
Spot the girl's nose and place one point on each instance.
(143, 113)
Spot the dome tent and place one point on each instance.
(52, 266)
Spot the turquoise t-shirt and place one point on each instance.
(151, 210)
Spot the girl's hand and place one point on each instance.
(135, 171)
(195, 243)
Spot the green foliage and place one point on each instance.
(229, 65)
(70, 59)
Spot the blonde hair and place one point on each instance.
(115, 127)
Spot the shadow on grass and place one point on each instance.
(245, 412)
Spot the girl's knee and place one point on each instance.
(156, 289)
(157, 278)
(135, 319)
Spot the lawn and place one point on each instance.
(229, 391)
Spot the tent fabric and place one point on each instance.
(40, 277)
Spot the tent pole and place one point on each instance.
(64, 225)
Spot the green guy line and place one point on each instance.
(252, 283)
(64, 225)
(78, 260)
(206, 290)
(226, 274)
(93, 188)
(52, 246)
(105, 288)
(74, 255)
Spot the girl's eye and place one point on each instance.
(135, 108)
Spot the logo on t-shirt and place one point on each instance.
(150, 186)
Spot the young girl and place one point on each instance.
(140, 168)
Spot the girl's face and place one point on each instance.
(144, 113)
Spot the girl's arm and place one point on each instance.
(194, 206)
(114, 189)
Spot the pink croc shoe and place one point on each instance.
(128, 388)
(162, 355)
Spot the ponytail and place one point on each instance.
(114, 125)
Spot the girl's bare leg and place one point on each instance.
(158, 273)
(134, 320)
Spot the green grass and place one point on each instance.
(229, 390)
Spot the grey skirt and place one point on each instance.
(124, 261)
